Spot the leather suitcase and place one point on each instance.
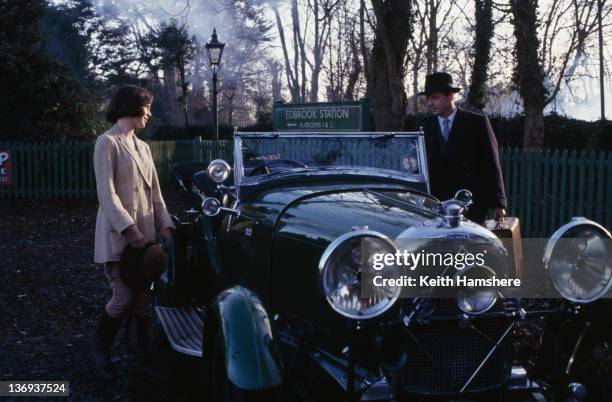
(509, 232)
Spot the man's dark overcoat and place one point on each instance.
(469, 159)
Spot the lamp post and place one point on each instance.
(214, 48)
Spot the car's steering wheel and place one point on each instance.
(265, 165)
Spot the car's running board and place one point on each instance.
(183, 327)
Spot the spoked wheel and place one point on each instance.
(223, 390)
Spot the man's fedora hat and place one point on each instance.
(139, 267)
(439, 82)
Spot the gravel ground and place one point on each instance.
(51, 293)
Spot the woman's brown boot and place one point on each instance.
(106, 329)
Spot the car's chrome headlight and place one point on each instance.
(578, 258)
(211, 206)
(341, 274)
(218, 170)
(476, 300)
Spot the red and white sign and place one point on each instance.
(6, 168)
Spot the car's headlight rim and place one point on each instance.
(550, 247)
(221, 166)
(211, 206)
(327, 254)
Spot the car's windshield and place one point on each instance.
(266, 154)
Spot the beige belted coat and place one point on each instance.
(128, 193)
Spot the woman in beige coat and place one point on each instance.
(131, 210)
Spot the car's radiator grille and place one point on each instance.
(457, 352)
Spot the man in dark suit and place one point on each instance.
(461, 151)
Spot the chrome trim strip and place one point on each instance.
(275, 134)
(238, 164)
(327, 171)
(423, 166)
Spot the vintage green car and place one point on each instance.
(265, 280)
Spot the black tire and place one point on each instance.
(223, 390)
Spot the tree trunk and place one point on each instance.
(199, 61)
(533, 137)
(299, 60)
(364, 52)
(184, 91)
(482, 53)
(415, 91)
(528, 74)
(292, 81)
(277, 85)
(230, 110)
(171, 94)
(353, 77)
(432, 43)
(316, 54)
(393, 30)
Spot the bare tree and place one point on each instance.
(355, 69)
(321, 10)
(292, 73)
(343, 67)
(434, 41)
(230, 96)
(363, 46)
(528, 72)
(418, 46)
(386, 84)
(310, 29)
(244, 60)
(541, 68)
(277, 85)
(483, 32)
(568, 25)
(176, 50)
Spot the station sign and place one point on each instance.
(321, 117)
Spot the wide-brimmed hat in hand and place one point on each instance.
(439, 82)
(139, 267)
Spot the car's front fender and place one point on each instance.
(251, 357)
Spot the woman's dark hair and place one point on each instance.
(128, 101)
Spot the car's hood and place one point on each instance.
(309, 219)
(321, 215)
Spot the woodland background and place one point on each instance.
(526, 63)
